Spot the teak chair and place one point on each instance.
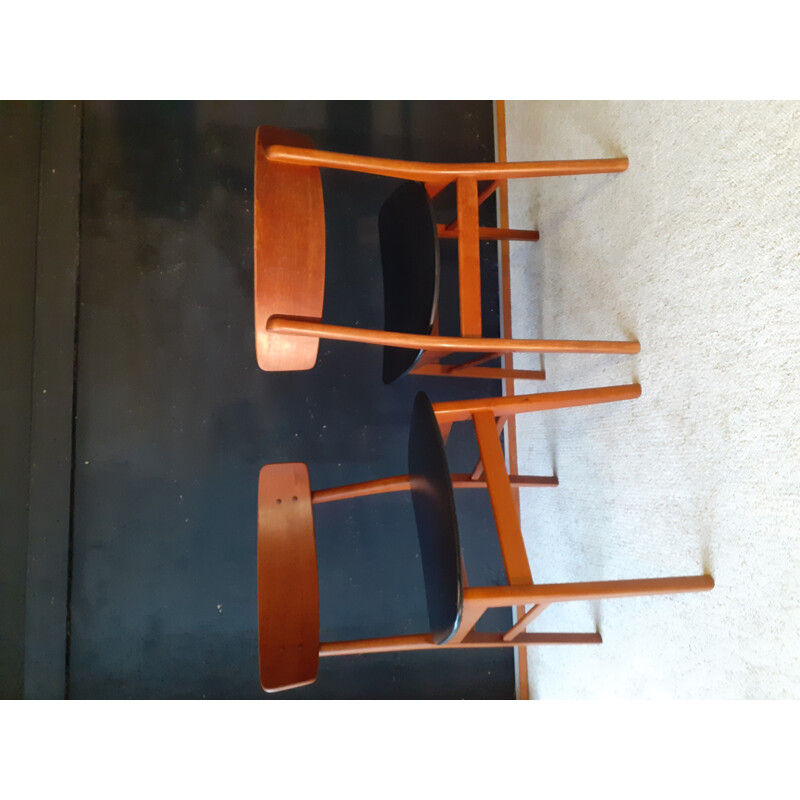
(288, 591)
(289, 245)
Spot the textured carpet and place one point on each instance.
(694, 251)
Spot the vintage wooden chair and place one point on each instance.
(289, 245)
(288, 592)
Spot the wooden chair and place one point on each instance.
(289, 245)
(288, 593)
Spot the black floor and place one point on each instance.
(173, 418)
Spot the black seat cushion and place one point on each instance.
(437, 527)
(410, 259)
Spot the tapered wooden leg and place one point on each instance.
(449, 344)
(458, 410)
(501, 596)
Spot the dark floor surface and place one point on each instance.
(174, 418)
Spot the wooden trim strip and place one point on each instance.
(53, 403)
(20, 160)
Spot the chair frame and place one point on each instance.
(488, 417)
(465, 228)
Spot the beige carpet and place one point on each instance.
(695, 251)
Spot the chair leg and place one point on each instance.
(459, 410)
(501, 596)
(449, 344)
(437, 176)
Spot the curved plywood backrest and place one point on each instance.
(437, 526)
(289, 251)
(288, 587)
(410, 260)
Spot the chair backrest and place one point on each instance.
(410, 260)
(437, 526)
(288, 587)
(288, 584)
(289, 251)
